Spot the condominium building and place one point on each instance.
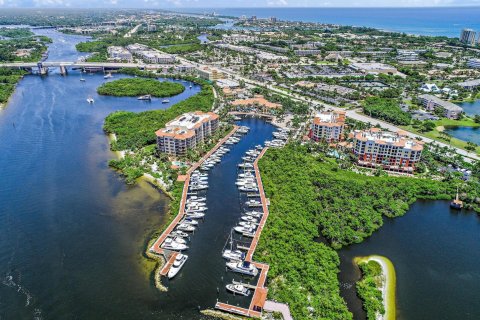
(431, 103)
(468, 36)
(328, 126)
(119, 53)
(210, 74)
(389, 150)
(186, 132)
(407, 55)
(156, 57)
(473, 63)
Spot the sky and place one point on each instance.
(230, 3)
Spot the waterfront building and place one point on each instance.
(328, 126)
(156, 57)
(431, 103)
(258, 102)
(186, 132)
(210, 74)
(119, 54)
(388, 150)
(468, 36)
(470, 84)
(137, 47)
(473, 63)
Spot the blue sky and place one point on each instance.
(232, 3)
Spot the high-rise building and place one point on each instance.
(328, 126)
(468, 36)
(186, 132)
(388, 150)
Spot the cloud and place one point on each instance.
(277, 3)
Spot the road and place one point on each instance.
(469, 156)
(129, 33)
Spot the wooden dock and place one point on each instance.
(156, 247)
(260, 293)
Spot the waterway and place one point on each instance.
(467, 133)
(436, 253)
(72, 233)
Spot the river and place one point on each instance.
(436, 254)
(72, 233)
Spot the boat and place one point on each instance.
(165, 101)
(248, 189)
(253, 203)
(107, 76)
(195, 215)
(90, 100)
(196, 198)
(244, 267)
(249, 219)
(179, 240)
(185, 227)
(456, 203)
(245, 231)
(145, 97)
(197, 208)
(255, 214)
(238, 289)
(82, 79)
(191, 86)
(170, 244)
(246, 224)
(178, 233)
(177, 265)
(190, 221)
(233, 254)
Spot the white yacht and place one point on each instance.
(254, 214)
(197, 198)
(233, 255)
(195, 215)
(145, 97)
(253, 203)
(244, 267)
(190, 221)
(90, 100)
(107, 76)
(245, 231)
(177, 265)
(248, 188)
(238, 289)
(170, 244)
(178, 233)
(249, 219)
(165, 101)
(185, 227)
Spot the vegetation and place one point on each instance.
(15, 32)
(310, 195)
(367, 288)
(184, 48)
(8, 80)
(386, 109)
(132, 87)
(35, 45)
(136, 130)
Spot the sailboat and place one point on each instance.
(456, 203)
(231, 254)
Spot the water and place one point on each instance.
(423, 21)
(470, 108)
(72, 233)
(436, 253)
(465, 133)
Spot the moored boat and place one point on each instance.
(177, 265)
(238, 289)
(244, 267)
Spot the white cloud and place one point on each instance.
(277, 3)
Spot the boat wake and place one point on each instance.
(9, 281)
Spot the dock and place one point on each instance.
(156, 247)
(260, 294)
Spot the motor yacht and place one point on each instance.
(245, 231)
(249, 219)
(177, 265)
(238, 289)
(253, 203)
(197, 198)
(254, 214)
(233, 254)
(243, 267)
(165, 101)
(170, 244)
(185, 227)
(195, 215)
(178, 233)
(145, 97)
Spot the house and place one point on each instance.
(430, 87)
(328, 126)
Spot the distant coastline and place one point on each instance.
(428, 21)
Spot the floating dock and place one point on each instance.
(156, 247)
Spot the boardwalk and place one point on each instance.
(156, 247)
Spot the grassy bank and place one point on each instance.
(133, 87)
(8, 80)
(310, 195)
(377, 287)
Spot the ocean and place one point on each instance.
(421, 21)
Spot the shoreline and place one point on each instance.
(388, 284)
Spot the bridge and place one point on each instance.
(42, 67)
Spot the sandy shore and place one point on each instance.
(388, 285)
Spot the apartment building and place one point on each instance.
(473, 63)
(389, 150)
(119, 54)
(432, 103)
(468, 36)
(186, 132)
(210, 74)
(156, 57)
(328, 126)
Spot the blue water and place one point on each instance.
(423, 21)
(471, 108)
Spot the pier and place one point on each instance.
(260, 291)
(156, 247)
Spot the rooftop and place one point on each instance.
(398, 139)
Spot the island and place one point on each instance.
(133, 87)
